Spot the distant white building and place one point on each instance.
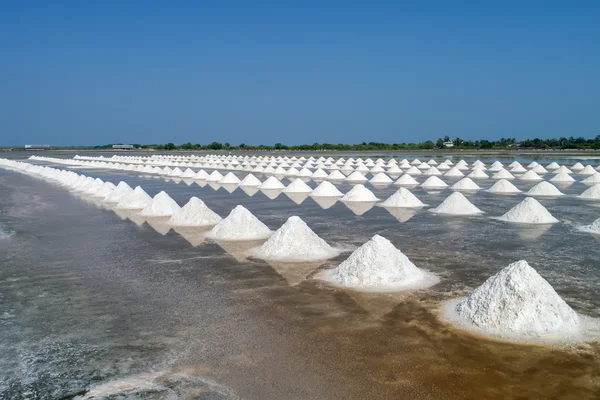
(37, 147)
(122, 146)
(449, 143)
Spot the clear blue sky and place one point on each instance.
(95, 72)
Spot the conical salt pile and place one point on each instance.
(530, 176)
(176, 172)
(297, 186)
(593, 193)
(214, 176)
(121, 190)
(529, 211)
(336, 176)
(380, 179)
(326, 189)
(188, 173)
(272, 183)
(295, 241)
(137, 199)
(403, 198)
(465, 184)
(517, 301)
(356, 177)
(240, 225)
(478, 173)
(588, 170)
(456, 204)
(94, 187)
(359, 193)
(413, 171)
(552, 165)
(562, 177)
(105, 190)
(503, 174)
(229, 179)
(162, 206)
(454, 172)
(319, 174)
(545, 189)
(503, 186)
(378, 265)
(594, 227)
(201, 175)
(577, 167)
(433, 182)
(250, 181)
(194, 213)
(406, 180)
(593, 179)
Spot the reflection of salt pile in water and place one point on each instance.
(465, 184)
(529, 211)
(456, 204)
(518, 303)
(545, 189)
(359, 193)
(379, 265)
(121, 190)
(594, 227)
(295, 241)
(593, 193)
(403, 198)
(137, 199)
(504, 186)
(240, 225)
(194, 213)
(162, 206)
(326, 189)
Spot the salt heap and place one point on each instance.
(105, 190)
(552, 165)
(503, 174)
(518, 302)
(593, 179)
(250, 181)
(188, 173)
(456, 204)
(562, 177)
(454, 172)
(593, 193)
(530, 176)
(593, 228)
(433, 182)
(529, 211)
(272, 183)
(545, 189)
(406, 180)
(359, 193)
(229, 179)
(214, 176)
(239, 225)
(478, 174)
(162, 206)
(326, 189)
(297, 186)
(357, 177)
(137, 199)
(121, 190)
(294, 241)
(503, 186)
(378, 265)
(194, 213)
(588, 170)
(201, 175)
(465, 184)
(381, 179)
(403, 198)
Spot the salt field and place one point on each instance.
(231, 277)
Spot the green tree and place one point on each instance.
(215, 146)
(170, 146)
(440, 143)
(242, 145)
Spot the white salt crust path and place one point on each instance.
(295, 242)
(240, 225)
(378, 266)
(403, 198)
(517, 304)
(326, 189)
(456, 204)
(162, 206)
(529, 211)
(194, 213)
(594, 227)
(359, 193)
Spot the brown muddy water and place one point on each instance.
(95, 304)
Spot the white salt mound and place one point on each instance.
(162, 206)
(530, 176)
(433, 182)
(250, 181)
(504, 186)
(529, 211)
(378, 265)
(194, 213)
(272, 183)
(295, 241)
(229, 179)
(403, 198)
(121, 190)
(562, 177)
(544, 189)
(593, 193)
(456, 204)
(105, 190)
(297, 186)
(359, 193)
(454, 172)
(239, 225)
(381, 179)
(406, 180)
(356, 176)
(594, 227)
(137, 199)
(465, 184)
(517, 301)
(503, 174)
(592, 179)
(326, 189)
(214, 176)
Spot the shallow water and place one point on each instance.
(92, 299)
